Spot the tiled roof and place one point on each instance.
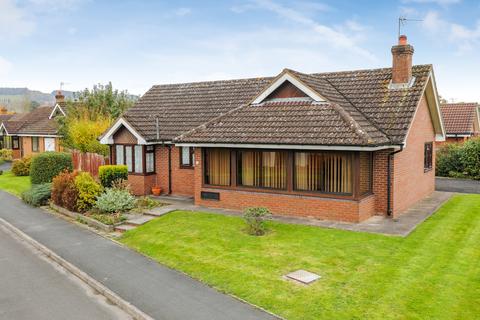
(458, 118)
(371, 113)
(36, 122)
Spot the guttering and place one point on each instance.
(389, 179)
(285, 146)
(39, 135)
(459, 135)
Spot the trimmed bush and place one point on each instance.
(38, 195)
(88, 191)
(64, 192)
(21, 167)
(115, 201)
(6, 154)
(111, 173)
(459, 160)
(48, 165)
(255, 219)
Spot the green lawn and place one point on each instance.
(13, 184)
(432, 274)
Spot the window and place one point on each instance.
(217, 167)
(129, 157)
(119, 155)
(187, 157)
(323, 172)
(15, 143)
(427, 156)
(264, 169)
(150, 159)
(35, 144)
(138, 160)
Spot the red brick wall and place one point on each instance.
(411, 183)
(281, 204)
(380, 161)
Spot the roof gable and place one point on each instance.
(460, 118)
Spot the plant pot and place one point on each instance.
(156, 191)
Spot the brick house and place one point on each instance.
(340, 146)
(33, 132)
(461, 120)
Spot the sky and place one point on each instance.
(136, 44)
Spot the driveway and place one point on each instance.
(457, 185)
(5, 166)
(34, 288)
(161, 292)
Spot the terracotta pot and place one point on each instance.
(156, 191)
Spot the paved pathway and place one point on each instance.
(159, 291)
(457, 185)
(401, 226)
(5, 166)
(31, 287)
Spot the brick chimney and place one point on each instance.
(59, 97)
(402, 61)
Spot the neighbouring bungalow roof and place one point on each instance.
(359, 109)
(36, 122)
(459, 117)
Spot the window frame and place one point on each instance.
(204, 171)
(37, 139)
(143, 157)
(15, 139)
(427, 157)
(191, 158)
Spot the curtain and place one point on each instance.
(217, 167)
(324, 172)
(267, 169)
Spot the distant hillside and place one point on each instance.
(24, 99)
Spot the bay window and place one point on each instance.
(138, 159)
(217, 167)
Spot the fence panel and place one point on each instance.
(88, 162)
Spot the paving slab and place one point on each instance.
(303, 276)
(124, 227)
(159, 291)
(139, 220)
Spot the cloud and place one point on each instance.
(437, 2)
(56, 5)
(5, 67)
(344, 37)
(464, 38)
(14, 20)
(181, 12)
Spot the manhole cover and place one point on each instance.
(303, 276)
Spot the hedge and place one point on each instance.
(47, 165)
(110, 173)
(459, 160)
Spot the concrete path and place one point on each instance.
(457, 185)
(157, 290)
(5, 166)
(401, 226)
(32, 287)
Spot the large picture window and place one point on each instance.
(138, 159)
(323, 172)
(217, 167)
(264, 169)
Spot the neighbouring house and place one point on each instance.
(32, 132)
(461, 120)
(340, 146)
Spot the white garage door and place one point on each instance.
(49, 144)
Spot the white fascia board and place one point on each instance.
(57, 106)
(40, 135)
(3, 126)
(108, 137)
(437, 102)
(286, 146)
(288, 77)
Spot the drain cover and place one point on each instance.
(303, 276)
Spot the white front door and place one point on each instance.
(49, 144)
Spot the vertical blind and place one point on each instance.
(324, 172)
(217, 167)
(266, 169)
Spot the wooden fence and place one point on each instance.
(88, 162)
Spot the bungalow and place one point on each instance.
(33, 132)
(462, 121)
(340, 146)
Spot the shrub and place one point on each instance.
(145, 203)
(115, 201)
(448, 160)
(21, 167)
(459, 160)
(6, 154)
(88, 191)
(110, 173)
(38, 195)
(255, 219)
(470, 157)
(64, 191)
(47, 165)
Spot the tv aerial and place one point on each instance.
(402, 21)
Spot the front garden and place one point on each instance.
(431, 274)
